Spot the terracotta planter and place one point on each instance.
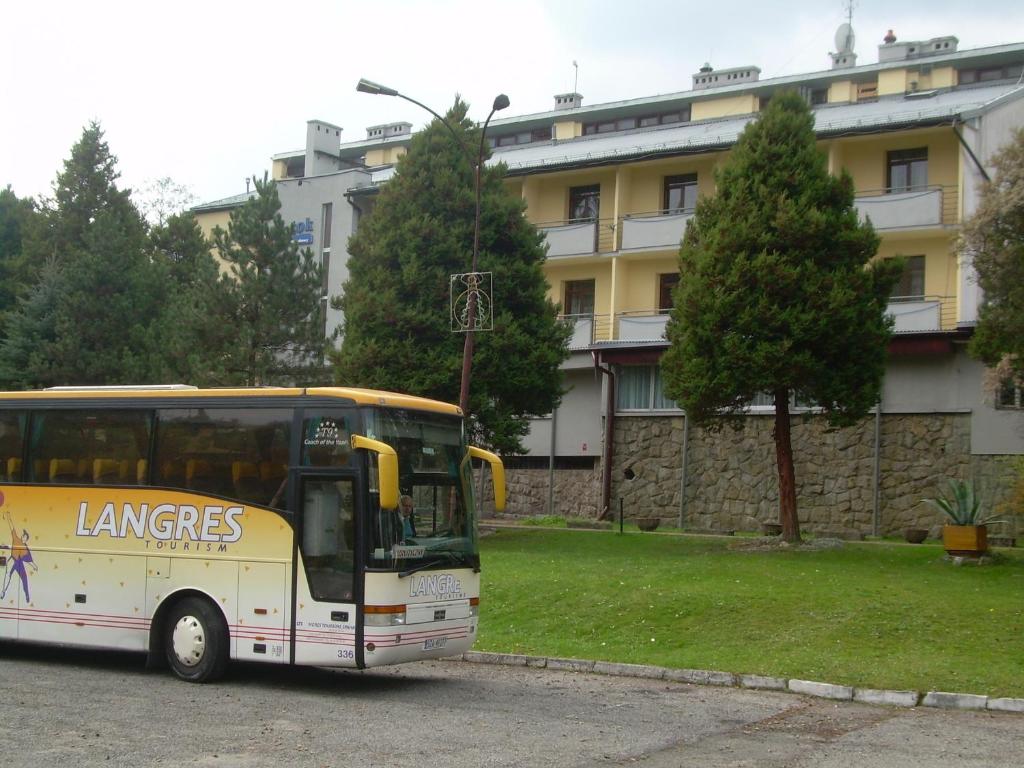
(915, 535)
(965, 540)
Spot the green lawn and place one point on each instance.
(875, 615)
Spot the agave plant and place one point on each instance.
(963, 505)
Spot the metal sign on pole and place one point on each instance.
(470, 300)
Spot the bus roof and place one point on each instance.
(177, 391)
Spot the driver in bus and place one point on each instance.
(405, 510)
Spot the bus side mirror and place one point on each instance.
(387, 469)
(497, 475)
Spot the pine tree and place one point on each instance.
(18, 217)
(85, 188)
(273, 296)
(398, 328)
(778, 293)
(197, 336)
(95, 314)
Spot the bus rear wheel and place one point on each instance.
(196, 641)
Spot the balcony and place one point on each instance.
(933, 206)
(922, 314)
(653, 230)
(578, 238)
(914, 314)
(638, 326)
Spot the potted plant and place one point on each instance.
(966, 533)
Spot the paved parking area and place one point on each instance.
(60, 707)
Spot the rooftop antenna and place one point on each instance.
(844, 35)
(576, 77)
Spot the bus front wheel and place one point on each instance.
(196, 641)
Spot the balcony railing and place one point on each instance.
(921, 314)
(933, 206)
(579, 238)
(644, 325)
(653, 230)
(912, 314)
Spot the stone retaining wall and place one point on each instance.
(732, 481)
(577, 492)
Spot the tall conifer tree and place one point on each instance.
(778, 292)
(398, 328)
(273, 296)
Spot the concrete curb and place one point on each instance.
(938, 699)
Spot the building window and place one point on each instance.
(666, 284)
(579, 297)
(326, 213)
(819, 96)
(585, 203)
(639, 388)
(1009, 395)
(911, 283)
(867, 91)
(907, 170)
(680, 193)
(989, 74)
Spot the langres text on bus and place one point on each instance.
(163, 522)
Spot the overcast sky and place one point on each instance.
(205, 92)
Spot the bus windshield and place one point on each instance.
(435, 525)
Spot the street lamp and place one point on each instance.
(500, 102)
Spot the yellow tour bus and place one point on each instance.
(325, 526)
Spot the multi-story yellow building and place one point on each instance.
(614, 185)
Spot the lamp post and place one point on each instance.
(500, 102)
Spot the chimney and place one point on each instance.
(568, 101)
(323, 143)
(388, 130)
(891, 50)
(709, 77)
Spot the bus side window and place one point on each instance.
(87, 446)
(12, 429)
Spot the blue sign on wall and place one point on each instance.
(303, 232)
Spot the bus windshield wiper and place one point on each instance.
(418, 568)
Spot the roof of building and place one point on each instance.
(225, 203)
(887, 113)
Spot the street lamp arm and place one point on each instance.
(368, 86)
(501, 101)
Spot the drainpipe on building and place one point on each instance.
(682, 481)
(877, 479)
(609, 432)
(551, 464)
(965, 145)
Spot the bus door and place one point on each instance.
(326, 589)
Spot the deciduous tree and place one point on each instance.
(994, 238)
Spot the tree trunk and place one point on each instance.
(787, 477)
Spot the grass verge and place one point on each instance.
(874, 615)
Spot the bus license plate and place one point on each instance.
(433, 643)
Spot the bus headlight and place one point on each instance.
(384, 615)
